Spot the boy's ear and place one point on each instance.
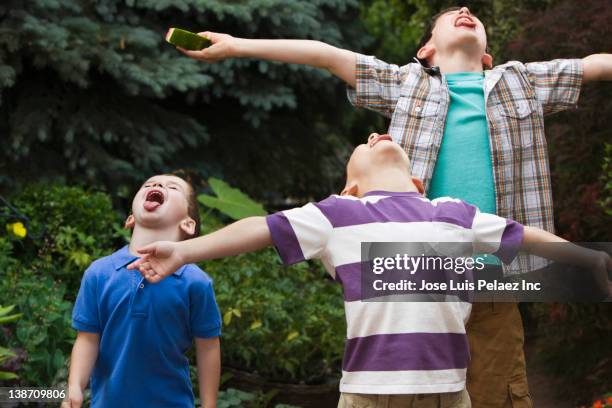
(425, 52)
(487, 60)
(188, 226)
(419, 185)
(350, 189)
(130, 221)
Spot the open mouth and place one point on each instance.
(379, 138)
(465, 21)
(154, 199)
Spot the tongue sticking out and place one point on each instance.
(151, 205)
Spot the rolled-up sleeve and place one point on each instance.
(301, 233)
(377, 85)
(204, 312)
(85, 315)
(557, 83)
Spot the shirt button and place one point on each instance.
(141, 286)
(418, 109)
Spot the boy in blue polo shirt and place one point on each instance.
(133, 336)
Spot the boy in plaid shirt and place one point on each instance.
(472, 133)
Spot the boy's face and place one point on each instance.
(458, 28)
(379, 153)
(160, 203)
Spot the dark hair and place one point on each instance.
(193, 209)
(429, 32)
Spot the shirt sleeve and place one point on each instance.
(377, 85)
(85, 315)
(557, 83)
(302, 233)
(205, 318)
(496, 235)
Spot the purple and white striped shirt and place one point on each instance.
(393, 347)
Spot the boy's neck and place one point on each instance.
(458, 60)
(142, 236)
(392, 180)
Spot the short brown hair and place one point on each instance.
(193, 210)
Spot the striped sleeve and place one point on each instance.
(557, 83)
(496, 235)
(377, 85)
(301, 233)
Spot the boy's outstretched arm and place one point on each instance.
(82, 360)
(597, 67)
(542, 243)
(316, 54)
(163, 258)
(208, 354)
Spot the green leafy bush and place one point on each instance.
(287, 324)
(6, 353)
(78, 227)
(44, 333)
(41, 276)
(233, 398)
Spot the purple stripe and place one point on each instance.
(284, 238)
(349, 276)
(401, 207)
(407, 351)
(511, 241)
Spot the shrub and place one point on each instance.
(574, 343)
(6, 353)
(287, 324)
(41, 276)
(78, 226)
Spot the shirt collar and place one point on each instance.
(123, 258)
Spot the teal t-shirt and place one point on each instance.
(464, 168)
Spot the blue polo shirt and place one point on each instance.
(145, 330)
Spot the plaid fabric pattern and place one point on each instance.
(517, 96)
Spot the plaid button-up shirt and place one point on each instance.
(517, 96)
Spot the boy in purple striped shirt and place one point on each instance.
(397, 353)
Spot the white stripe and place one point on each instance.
(365, 199)
(435, 201)
(311, 227)
(403, 382)
(369, 318)
(344, 245)
(488, 230)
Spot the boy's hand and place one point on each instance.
(222, 47)
(75, 398)
(160, 259)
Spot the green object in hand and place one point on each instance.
(186, 39)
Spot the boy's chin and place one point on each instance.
(150, 219)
